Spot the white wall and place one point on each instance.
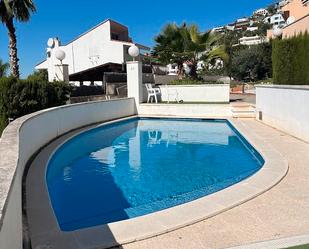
(285, 108)
(186, 110)
(212, 93)
(25, 136)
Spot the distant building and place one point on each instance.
(220, 29)
(260, 12)
(296, 9)
(277, 20)
(296, 13)
(230, 26)
(104, 48)
(251, 40)
(252, 28)
(242, 23)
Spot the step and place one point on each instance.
(244, 115)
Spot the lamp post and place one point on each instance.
(62, 70)
(134, 51)
(60, 55)
(135, 76)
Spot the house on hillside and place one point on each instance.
(242, 23)
(104, 48)
(260, 12)
(296, 13)
(277, 20)
(251, 40)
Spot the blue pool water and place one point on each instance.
(140, 166)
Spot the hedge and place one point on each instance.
(291, 60)
(21, 97)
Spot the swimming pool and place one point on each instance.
(139, 166)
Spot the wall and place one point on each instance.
(300, 26)
(296, 9)
(186, 110)
(22, 138)
(211, 93)
(285, 108)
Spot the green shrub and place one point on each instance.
(291, 60)
(21, 97)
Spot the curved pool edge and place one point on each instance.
(150, 225)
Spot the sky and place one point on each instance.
(67, 19)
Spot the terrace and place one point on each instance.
(207, 166)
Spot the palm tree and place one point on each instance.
(170, 47)
(186, 44)
(202, 47)
(19, 10)
(3, 68)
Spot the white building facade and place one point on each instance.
(102, 48)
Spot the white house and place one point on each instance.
(260, 12)
(104, 48)
(277, 20)
(251, 40)
(220, 29)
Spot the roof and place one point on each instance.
(96, 26)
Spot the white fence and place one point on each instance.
(285, 108)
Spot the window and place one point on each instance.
(114, 36)
(305, 1)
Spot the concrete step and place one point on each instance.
(244, 115)
(243, 111)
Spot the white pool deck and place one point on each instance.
(279, 217)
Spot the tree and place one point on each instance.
(169, 47)
(272, 9)
(19, 10)
(38, 75)
(186, 44)
(3, 68)
(252, 63)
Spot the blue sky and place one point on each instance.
(68, 18)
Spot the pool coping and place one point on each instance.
(40, 212)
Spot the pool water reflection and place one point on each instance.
(140, 166)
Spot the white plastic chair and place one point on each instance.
(152, 92)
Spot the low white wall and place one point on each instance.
(285, 108)
(211, 93)
(186, 110)
(25, 136)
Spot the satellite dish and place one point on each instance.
(290, 20)
(50, 42)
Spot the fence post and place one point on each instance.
(134, 80)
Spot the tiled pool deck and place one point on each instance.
(279, 213)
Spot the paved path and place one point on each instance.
(281, 212)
